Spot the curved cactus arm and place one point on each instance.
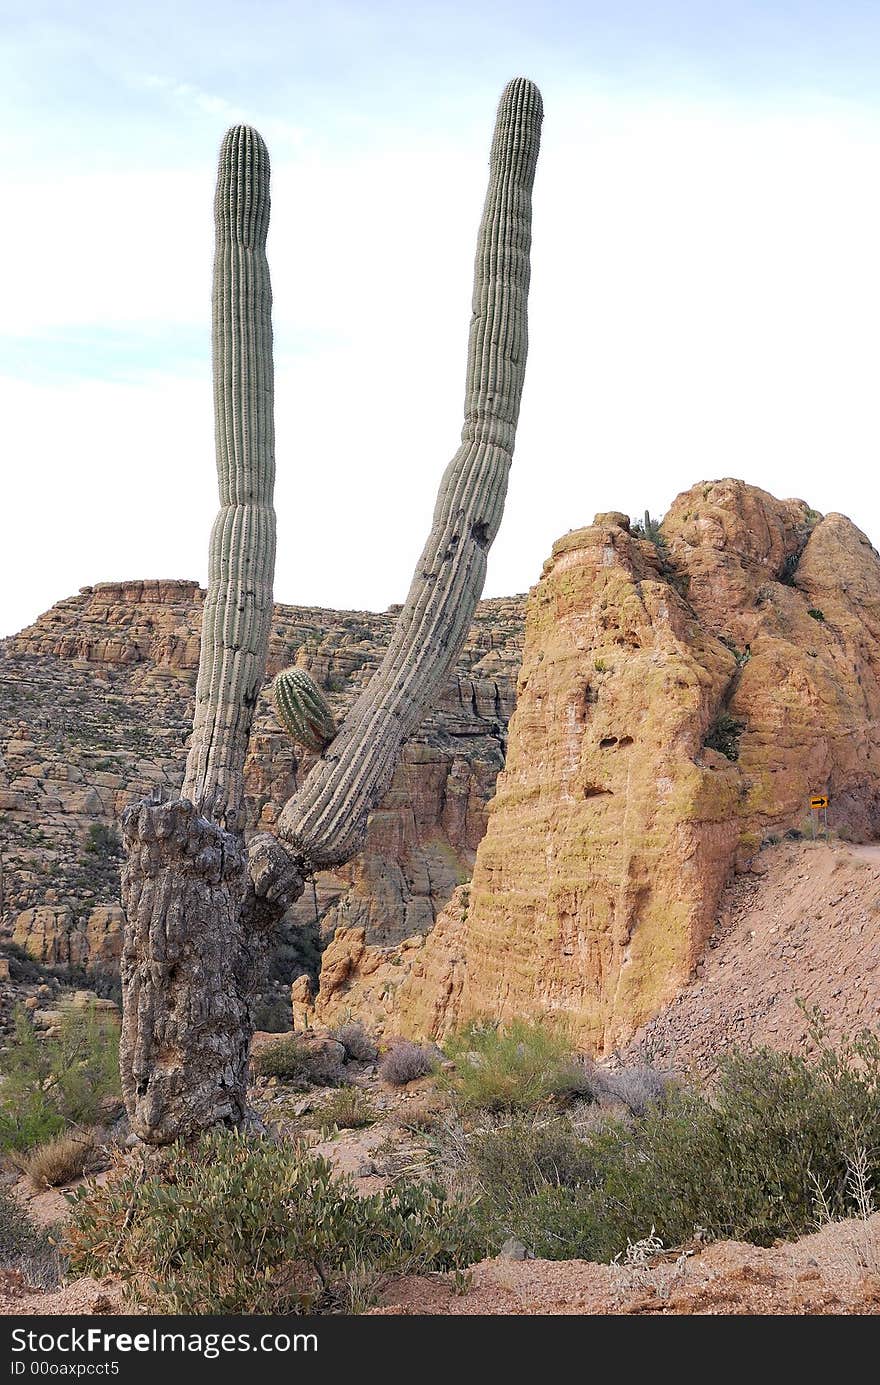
(325, 822)
(303, 710)
(238, 607)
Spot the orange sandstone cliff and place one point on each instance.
(678, 703)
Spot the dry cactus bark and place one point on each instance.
(195, 925)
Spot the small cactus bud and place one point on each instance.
(303, 710)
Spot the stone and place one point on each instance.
(514, 1250)
(617, 820)
(101, 687)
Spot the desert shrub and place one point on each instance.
(517, 1067)
(405, 1061)
(816, 613)
(101, 840)
(349, 1108)
(272, 1015)
(239, 1225)
(789, 567)
(357, 1043)
(25, 1247)
(724, 735)
(293, 1060)
(285, 1059)
(51, 1084)
(515, 1160)
(746, 1164)
(60, 1160)
(22, 966)
(637, 1088)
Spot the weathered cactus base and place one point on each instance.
(188, 972)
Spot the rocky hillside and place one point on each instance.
(96, 707)
(798, 932)
(682, 695)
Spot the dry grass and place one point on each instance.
(59, 1161)
(357, 1043)
(405, 1062)
(349, 1108)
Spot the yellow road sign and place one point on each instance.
(819, 801)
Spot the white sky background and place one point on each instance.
(705, 283)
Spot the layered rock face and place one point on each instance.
(96, 708)
(678, 704)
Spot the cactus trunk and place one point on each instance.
(188, 964)
(325, 823)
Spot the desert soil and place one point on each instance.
(835, 1271)
(802, 926)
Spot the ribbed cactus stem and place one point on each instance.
(189, 962)
(238, 607)
(325, 822)
(303, 710)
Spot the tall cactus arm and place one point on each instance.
(238, 607)
(325, 822)
(189, 958)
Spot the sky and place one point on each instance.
(705, 274)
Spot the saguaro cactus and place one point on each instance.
(325, 822)
(193, 931)
(186, 960)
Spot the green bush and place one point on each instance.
(512, 1162)
(51, 1084)
(514, 1068)
(242, 1225)
(101, 840)
(285, 1058)
(746, 1164)
(293, 1061)
(649, 529)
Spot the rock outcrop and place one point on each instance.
(677, 706)
(95, 710)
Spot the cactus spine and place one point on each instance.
(325, 822)
(302, 710)
(238, 607)
(188, 962)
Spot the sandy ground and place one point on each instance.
(804, 924)
(81, 1296)
(835, 1271)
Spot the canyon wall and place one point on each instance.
(678, 704)
(96, 708)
